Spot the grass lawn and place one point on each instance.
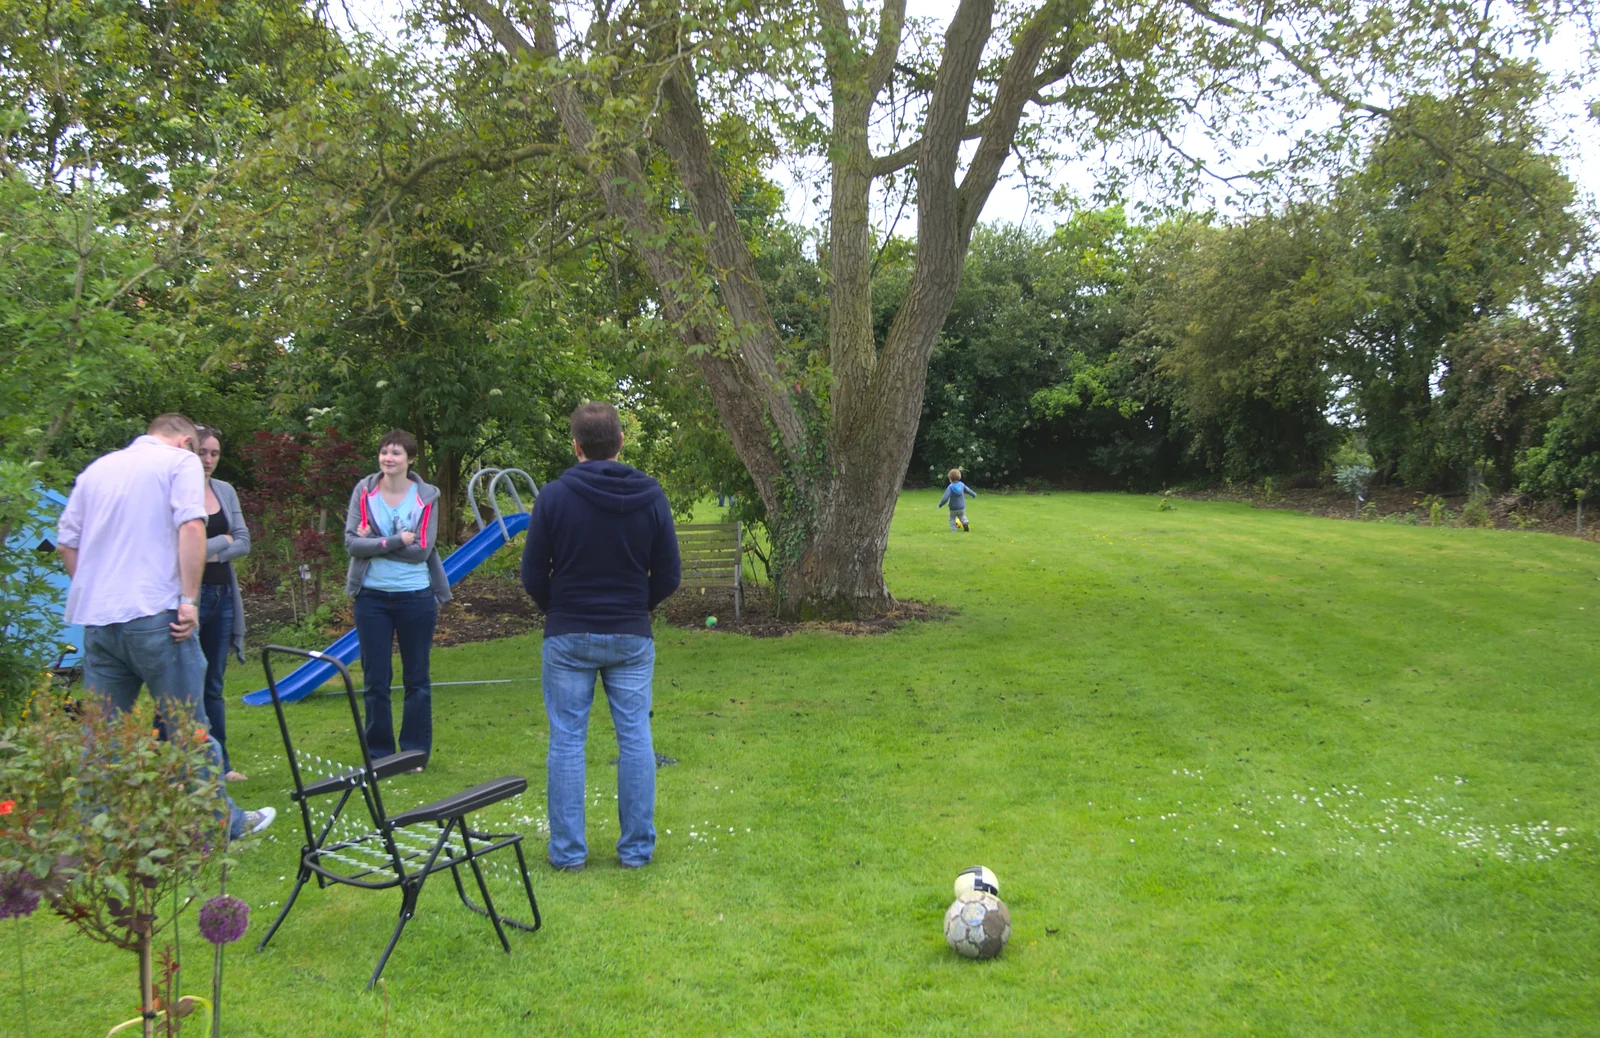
(1237, 770)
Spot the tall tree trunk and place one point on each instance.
(447, 477)
(830, 486)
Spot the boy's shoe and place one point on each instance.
(966, 527)
(255, 821)
(575, 867)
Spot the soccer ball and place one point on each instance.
(977, 925)
(977, 878)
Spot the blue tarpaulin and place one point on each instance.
(39, 537)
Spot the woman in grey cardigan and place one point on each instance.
(397, 584)
(221, 606)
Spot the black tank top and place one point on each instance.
(217, 572)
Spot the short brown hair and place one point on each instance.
(598, 429)
(171, 424)
(202, 433)
(955, 475)
(402, 439)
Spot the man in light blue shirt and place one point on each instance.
(133, 540)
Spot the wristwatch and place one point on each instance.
(186, 600)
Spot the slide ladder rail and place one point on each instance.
(494, 476)
(490, 538)
(472, 497)
(511, 488)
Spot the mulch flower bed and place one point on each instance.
(489, 607)
(759, 619)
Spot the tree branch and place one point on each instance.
(490, 161)
(504, 30)
(686, 140)
(1333, 93)
(906, 156)
(891, 23)
(746, 398)
(1017, 86)
(1260, 34)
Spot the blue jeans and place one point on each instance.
(381, 618)
(625, 663)
(216, 639)
(120, 658)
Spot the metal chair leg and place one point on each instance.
(483, 888)
(408, 908)
(299, 882)
(527, 884)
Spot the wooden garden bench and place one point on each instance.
(713, 557)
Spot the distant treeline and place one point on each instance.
(1111, 354)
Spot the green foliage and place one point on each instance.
(149, 97)
(396, 283)
(1567, 460)
(1498, 394)
(1351, 452)
(310, 629)
(1033, 376)
(1439, 514)
(69, 338)
(1246, 312)
(1353, 480)
(1025, 344)
(1447, 240)
(1475, 512)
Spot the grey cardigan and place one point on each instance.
(362, 549)
(219, 547)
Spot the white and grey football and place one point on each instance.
(977, 925)
(977, 878)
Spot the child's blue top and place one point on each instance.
(956, 493)
(385, 574)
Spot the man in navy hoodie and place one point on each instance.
(601, 554)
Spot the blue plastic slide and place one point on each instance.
(308, 677)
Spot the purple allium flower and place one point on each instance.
(223, 919)
(18, 898)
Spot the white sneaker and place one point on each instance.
(255, 821)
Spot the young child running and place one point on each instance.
(957, 493)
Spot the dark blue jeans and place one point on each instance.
(382, 617)
(216, 639)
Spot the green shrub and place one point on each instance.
(1476, 511)
(1353, 480)
(308, 632)
(113, 826)
(1438, 512)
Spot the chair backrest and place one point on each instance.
(712, 554)
(320, 762)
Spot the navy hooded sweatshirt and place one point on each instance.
(601, 552)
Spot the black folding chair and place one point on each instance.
(400, 850)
